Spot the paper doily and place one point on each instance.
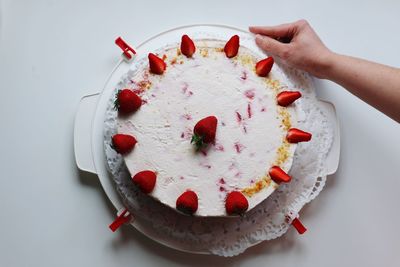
(233, 235)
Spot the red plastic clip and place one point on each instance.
(120, 220)
(299, 226)
(125, 47)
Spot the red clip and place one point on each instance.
(125, 47)
(299, 226)
(120, 220)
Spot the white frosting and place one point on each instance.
(249, 130)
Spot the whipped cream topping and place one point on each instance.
(250, 133)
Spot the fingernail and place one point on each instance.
(259, 36)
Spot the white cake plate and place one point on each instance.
(89, 120)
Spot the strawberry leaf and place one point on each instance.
(198, 141)
(112, 145)
(116, 102)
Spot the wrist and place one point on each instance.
(326, 65)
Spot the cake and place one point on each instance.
(206, 129)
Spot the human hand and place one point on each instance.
(297, 45)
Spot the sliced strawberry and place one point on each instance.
(295, 135)
(286, 98)
(232, 46)
(204, 131)
(236, 203)
(145, 180)
(123, 143)
(278, 175)
(187, 202)
(127, 101)
(157, 65)
(187, 46)
(263, 67)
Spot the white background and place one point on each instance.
(54, 52)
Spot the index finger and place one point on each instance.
(283, 30)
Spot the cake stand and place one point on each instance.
(89, 120)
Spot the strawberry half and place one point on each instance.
(295, 136)
(278, 175)
(286, 98)
(232, 46)
(123, 143)
(236, 203)
(204, 132)
(127, 101)
(263, 67)
(145, 180)
(157, 65)
(187, 202)
(187, 46)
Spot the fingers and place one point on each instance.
(283, 30)
(271, 45)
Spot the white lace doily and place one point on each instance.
(232, 235)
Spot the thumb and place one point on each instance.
(270, 45)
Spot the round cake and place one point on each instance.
(206, 129)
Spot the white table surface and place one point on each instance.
(54, 52)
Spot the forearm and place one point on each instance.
(376, 84)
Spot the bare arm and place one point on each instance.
(299, 46)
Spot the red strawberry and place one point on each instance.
(204, 131)
(187, 46)
(263, 67)
(145, 180)
(157, 65)
(123, 143)
(127, 101)
(278, 175)
(232, 46)
(286, 98)
(236, 203)
(187, 202)
(295, 135)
